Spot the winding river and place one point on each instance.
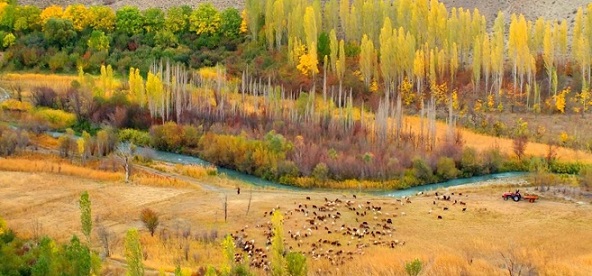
(176, 158)
(185, 159)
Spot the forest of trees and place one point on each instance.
(306, 93)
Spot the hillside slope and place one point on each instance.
(551, 9)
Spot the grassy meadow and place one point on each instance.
(491, 236)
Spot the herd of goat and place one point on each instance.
(321, 230)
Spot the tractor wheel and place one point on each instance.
(516, 198)
(505, 197)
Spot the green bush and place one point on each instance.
(296, 264)
(445, 168)
(566, 168)
(469, 162)
(57, 119)
(422, 170)
(414, 267)
(137, 137)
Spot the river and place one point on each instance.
(185, 159)
(176, 158)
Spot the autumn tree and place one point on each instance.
(331, 15)
(102, 18)
(486, 60)
(150, 220)
(386, 54)
(136, 86)
(367, 59)
(333, 48)
(254, 10)
(205, 20)
(419, 70)
(518, 50)
(269, 24)
(155, 94)
(79, 15)
(549, 52)
(50, 12)
(497, 50)
(477, 56)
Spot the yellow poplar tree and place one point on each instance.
(548, 51)
(477, 55)
(486, 60)
(497, 50)
(333, 47)
(419, 69)
(367, 57)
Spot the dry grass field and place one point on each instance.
(549, 237)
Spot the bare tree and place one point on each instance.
(519, 146)
(105, 238)
(125, 152)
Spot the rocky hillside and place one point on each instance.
(551, 9)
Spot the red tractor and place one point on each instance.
(516, 196)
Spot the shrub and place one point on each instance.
(296, 264)
(566, 168)
(469, 162)
(136, 137)
(44, 97)
(57, 119)
(414, 267)
(321, 172)
(446, 169)
(8, 141)
(15, 105)
(422, 170)
(492, 160)
(150, 220)
(167, 137)
(58, 61)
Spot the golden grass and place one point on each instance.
(550, 237)
(165, 254)
(34, 164)
(195, 171)
(28, 81)
(146, 179)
